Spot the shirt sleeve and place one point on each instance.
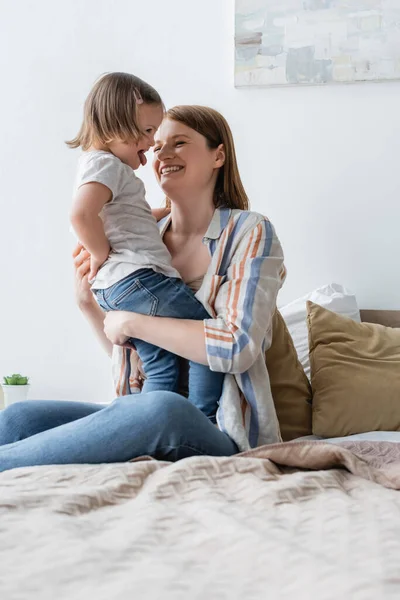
(105, 169)
(245, 301)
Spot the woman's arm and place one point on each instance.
(232, 340)
(170, 334)
(85, 300)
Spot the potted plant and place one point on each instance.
(15, 388)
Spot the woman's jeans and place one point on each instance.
(150, 293)
(163, 425)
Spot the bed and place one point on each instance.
(299, 520)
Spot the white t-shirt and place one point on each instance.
(128, 222)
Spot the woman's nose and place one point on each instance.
(165, 152)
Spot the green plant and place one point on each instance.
(16, 379)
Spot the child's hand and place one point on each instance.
(95, 264)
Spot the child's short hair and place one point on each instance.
(110, 111)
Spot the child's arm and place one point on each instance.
(85, 219)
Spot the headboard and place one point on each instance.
(389, 318)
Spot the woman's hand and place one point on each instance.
(83, 295)
(116, 325)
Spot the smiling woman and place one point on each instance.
(233, 260)
(188, 135)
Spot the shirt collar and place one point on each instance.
(217, 225)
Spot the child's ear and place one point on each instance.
(220, 156)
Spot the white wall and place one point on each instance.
(323, 163)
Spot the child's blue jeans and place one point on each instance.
(150, 293)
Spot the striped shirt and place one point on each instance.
(239, 291)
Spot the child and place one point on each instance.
(130, 267)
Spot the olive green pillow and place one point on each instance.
(355, 374)
(290, 387)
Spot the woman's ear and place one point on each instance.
(220, 156)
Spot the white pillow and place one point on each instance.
(334, 297)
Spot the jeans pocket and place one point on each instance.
(136, 298)
(116, 295)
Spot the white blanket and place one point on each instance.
(289, 521)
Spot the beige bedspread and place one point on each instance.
(290, 521)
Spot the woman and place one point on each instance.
(235, 258)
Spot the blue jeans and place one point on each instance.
(150, 293)
(159, 424)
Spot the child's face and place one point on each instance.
(133, 153)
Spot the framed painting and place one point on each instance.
(314, 42)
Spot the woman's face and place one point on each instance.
(183, 162)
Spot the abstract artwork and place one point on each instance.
(313, 42)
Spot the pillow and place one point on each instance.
(332, 296)
(291, 390)
(355, 375)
